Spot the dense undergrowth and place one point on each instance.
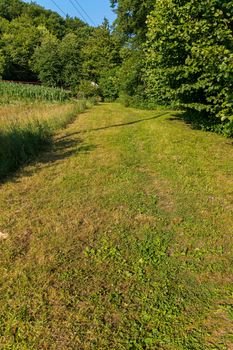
(206, 123)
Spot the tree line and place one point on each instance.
(171, 52)
(39, 45)
(181, 53)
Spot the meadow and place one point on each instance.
(120, 237)
(29, 115)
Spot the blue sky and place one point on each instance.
(96, 9)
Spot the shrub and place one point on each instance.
(109, 85)
(88, 89)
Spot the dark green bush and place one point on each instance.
(202, 121)
(109, 85)
(88, 89)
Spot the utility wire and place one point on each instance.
(57, 6)
(85, 12)
(75, 7)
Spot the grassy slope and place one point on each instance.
(120, 238)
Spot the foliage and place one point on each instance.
(87, 89)
(109, 85)
(27, 32)
(100, 52)
(131, 18)
(19, 41)
(69, 54)
(130, 27)
(46, 62)
(58, 62)
(189, 55)
(2, 63)
(203, 121)
(130, 79)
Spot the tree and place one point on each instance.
(131, 17)
(11, 9)
(46, 61)
(130, 73)
(189, 54)
(100, 53)
(2, 63)
(18, 42)
(70, 59)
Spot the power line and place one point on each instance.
(75, 7)
(85, 12)
(57, 6)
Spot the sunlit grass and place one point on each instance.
(120, 237)
(26, 129)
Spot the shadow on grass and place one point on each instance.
(51, 155)
(113, 126)
(202, 121)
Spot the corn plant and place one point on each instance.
(13, 91)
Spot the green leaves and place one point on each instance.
(189, 52)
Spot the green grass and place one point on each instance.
(23, 137)
(120, 238)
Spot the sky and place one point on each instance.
(94, 10)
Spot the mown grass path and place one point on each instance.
(120, 238)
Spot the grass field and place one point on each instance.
(120, 237)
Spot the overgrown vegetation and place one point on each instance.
(25, 131)
(189, 55)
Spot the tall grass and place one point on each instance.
(21, 139)
(12, 91)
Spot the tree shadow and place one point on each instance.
(113, 126)
(52, 155)
(201, 121)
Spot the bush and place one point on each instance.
(109, 85)
(202, 121)
(88, 89)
